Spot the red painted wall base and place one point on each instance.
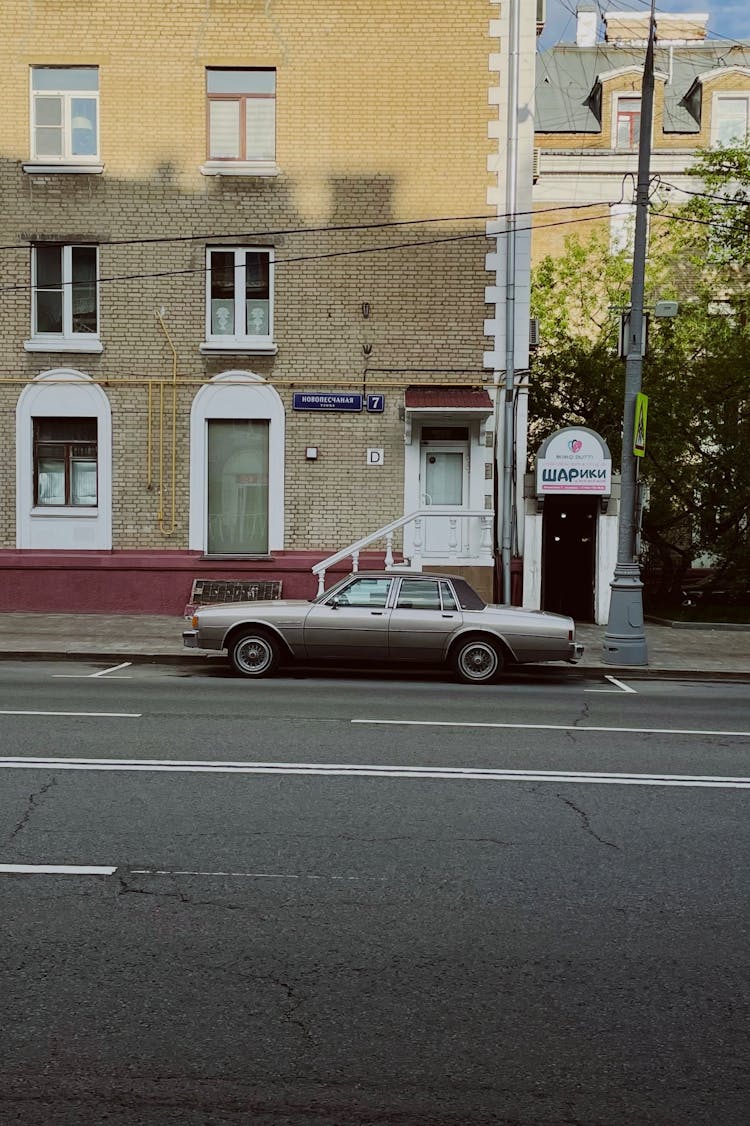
(146, 582)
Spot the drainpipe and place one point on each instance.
(511, 202)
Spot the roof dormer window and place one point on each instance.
(627, 123)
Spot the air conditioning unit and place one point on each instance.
(534, 339)
(536, 164)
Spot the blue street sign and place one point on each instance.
(376, 404)
(326, 401)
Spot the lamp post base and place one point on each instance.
(625, 640)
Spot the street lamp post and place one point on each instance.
(625, 639)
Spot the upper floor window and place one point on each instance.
(730, 120)
(64, 303)
(241, 114)
(64, 113)
(65, 462)
(239, 306)
(628, 123)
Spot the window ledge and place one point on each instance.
(70, 512)
(63, 344)
(239, 348)
(39, 168)
(240, 168)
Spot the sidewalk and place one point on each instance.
(142, 637)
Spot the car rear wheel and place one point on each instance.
(254, 653)
(477, 660)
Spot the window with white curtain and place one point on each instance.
(64, 113)
(65, 462)
(241, 114)
(239, 295)
(237, 487)
(628, 123)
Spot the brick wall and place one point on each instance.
(381, 116)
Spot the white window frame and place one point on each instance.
(727, 96)
(625, 96)
(63, 393)
(240, 342)
(67, 340)
(66, 157)
(236, 395)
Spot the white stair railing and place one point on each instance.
(458, 546)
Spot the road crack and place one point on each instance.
(126, 889)
(31, 805)
(586, 823)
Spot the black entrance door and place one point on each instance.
(568, 556)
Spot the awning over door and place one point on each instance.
(455, 403)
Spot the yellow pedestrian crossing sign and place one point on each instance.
(639, 430)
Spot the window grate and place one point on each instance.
(208, 592)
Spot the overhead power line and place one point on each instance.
(418, 245)
(277, 232)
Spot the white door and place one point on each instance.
(444, 487)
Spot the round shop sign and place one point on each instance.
(574, 460)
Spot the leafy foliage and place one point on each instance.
(697, 372)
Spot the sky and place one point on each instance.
(727, 18)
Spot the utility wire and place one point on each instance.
(726, 200)
(224, 235)
(25, 287)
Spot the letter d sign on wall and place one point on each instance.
(375, 456)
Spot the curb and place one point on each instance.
(671, 623)
(196, 660)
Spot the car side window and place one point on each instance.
(368, 592)
(449, 601)
(418, 594)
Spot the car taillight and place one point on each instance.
(194, 621)
(571, 632)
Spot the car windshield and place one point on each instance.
(331, 590)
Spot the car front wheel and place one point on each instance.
(254, 654)
(477, 660)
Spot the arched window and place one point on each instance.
(63, 464)
(237, 467)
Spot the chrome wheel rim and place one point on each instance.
(253, 655)
(478, 661)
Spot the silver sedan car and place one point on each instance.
(386, 618)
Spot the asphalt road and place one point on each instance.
(368, 900)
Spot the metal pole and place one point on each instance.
(625, 640)
(511, 198)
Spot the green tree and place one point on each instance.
(697, 377)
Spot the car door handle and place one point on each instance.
(447, 615)
(376, 613)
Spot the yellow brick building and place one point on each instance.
(249, 300)
(587, 106)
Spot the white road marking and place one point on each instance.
(245, 875)
(619, 683)
(94, 675)
(115, 668)
(554, 727)
(345, 770)
(93, 715)
(613, 680)
(110, 869)
(55, 870)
